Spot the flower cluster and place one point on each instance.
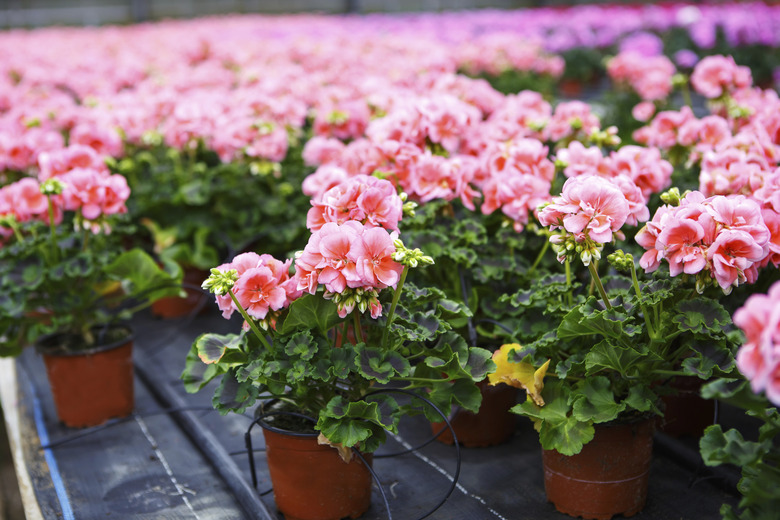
(759, 358)
(369, 200)
(648, 76)
(261, 284)
(71, 179)
(721, 239)
(587, 214)
(715, 76)
(352, 261)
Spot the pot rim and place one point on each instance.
(44, 346)
(260, 420)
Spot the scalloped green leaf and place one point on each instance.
(212, 347)
(234, 396)
(301, 344)
(701, 316)
(342, 362)
(381, 365)
(623, 360)
(718, 447)
(197, 374)
(142, 277)
(350, 424)
(589, 318)
(595, 401)
(308, 312)
(642, 398)
(444, 395)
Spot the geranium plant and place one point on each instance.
(64, 268)
(320, 334)
(604, 348)
(758, 360)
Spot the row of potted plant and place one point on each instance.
(519, 204)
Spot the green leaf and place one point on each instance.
(342, 362)
(701, 316)
(447, 393)
(718, 447)
(380, 365)
(641, 398)
(558, 429)
(589, 318)
(308, 312)
(595, 401)
(195, 192)
(301, 344)
(197, 374)
(350, 424)
(708, 359)
(211, 347)
(142, 277)
(234, 396)
(623, 360)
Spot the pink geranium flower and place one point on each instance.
(759, 358)
(372, 256)
(715, 75)
(365, 199)
(588, 205)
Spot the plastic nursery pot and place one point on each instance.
(685, 411)
(90, 386)
(493, 424)
(175, 307)
(311, 481)
(608, 477)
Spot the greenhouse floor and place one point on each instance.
(175, 458)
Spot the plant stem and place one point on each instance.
(635, 282)
(54, 249)
(396, 297)
(252, 324)
(595, 276)
(568, 282)
(686, 94)
(532, 270)
(358, 330)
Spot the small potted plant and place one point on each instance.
(325, 341)
(69, 286)
(598, 354)
(187, 192)
(756, 390)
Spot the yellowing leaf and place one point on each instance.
(344, 452)
(520, 375)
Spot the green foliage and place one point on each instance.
(316, 363)
(757, 459)
(67, 280)
(190, 203)
(612, 362)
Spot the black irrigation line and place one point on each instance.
(261, 421)
(209, 445)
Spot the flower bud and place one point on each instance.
(52, 187)
(220, 282)
(671, 197)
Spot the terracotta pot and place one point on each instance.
(90, 386)
(607, 478)
(570, 88)
(492, 424)
(685, 411)
(310, 480)
(175, 307)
